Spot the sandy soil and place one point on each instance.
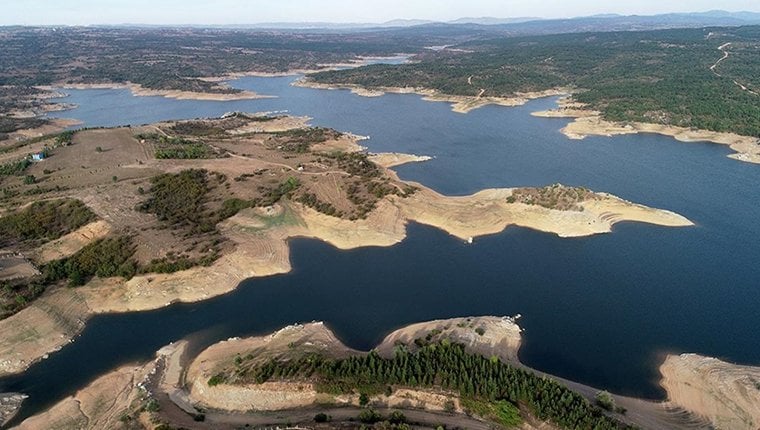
(727, 394)
(139, 90)
(55, 125)
(487, 212)
(13, 266)
(101, 404)
(313, 337)
(393, 159)
(69, 244)
(501, 335)
(47, 325)
(459, 104)
(97, 406)
(590, 123)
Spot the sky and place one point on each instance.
(84, 12)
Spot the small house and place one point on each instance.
(38, 156)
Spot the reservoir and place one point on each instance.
(600, 310)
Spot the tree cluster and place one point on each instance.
(442, 365)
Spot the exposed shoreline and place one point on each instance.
(692, 382)
(181, 382)
(261, 249)
(10, 403)
(726, 394)
(393, 159)
(590, 123)
(140, 91)
(587, 122)
(459, 104)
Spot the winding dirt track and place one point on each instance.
(722, 48)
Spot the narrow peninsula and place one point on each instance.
(137, 218)
(424, 375)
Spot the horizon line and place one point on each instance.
(369, 23)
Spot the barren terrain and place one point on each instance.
(726, 394)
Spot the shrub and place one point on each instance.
(178, 199)
(44, 221)
(605, 401)
(14, 167)
(104, 258)
(216, 380)
(321, 418)
(397, 417)
(369, 416)
(449, 406)
(152, 405)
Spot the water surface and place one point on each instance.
(599, 310)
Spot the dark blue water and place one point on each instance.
(599, 310)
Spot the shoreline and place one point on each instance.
(726, 394)
(394, 159)
(259, 239)
(10, 404)
(502, 337)
(459, 104)
(138, 90)
(176, 381)
(590, 123)
(586, 122)
(263, 250)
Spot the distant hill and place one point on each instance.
(533, 25)
(631, 22)
(489, 20)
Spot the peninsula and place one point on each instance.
(302, 374)
(130, 219)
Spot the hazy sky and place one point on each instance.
(77, 12)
